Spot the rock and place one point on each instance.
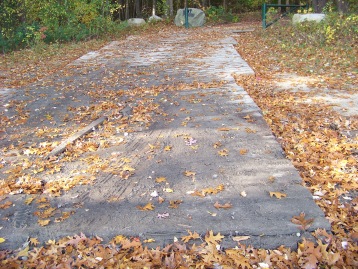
(196, 17)
(136, 22)
(154, 18)
(317, 17)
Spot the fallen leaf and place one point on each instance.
(2, 240)
(210, 238)
(43, 222)
(224, 129)
(167, 148)
(34, 241)
(175, 203)
(24, 252)
(160, 179)
(225, 206)
(150, 240)
(189, 173)
(302, 221)
(169, 190)
(278, 195)
(6, 205)
(243, 151)
(160, 200)
(29, 200)
(190, 236)
(223, 152)
(243, 193)
(147, 207)
(212, 214)
(240, 238)
(163, 216)
(217, 145)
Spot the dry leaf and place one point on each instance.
(169, 190)
(34, 241)
(189, 173)
(278, 195)
(243, 151)
(175, 203)
(223, 152)
(240, 238)
(210, 238)
(44, 222)
(2, 240)
(167, 148)
(150, 240)
(6, 205)
(224, 129)
(29, 200)
(191, 236)
(147, 207)
(225, 206)
(160, 200)
(300, 220)
(160, 179)
(243, 193)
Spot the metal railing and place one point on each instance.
(265, 7)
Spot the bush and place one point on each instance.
(218, 14)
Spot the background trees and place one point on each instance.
(25, 22)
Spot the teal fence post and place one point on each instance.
(263, 11)
(186, 11)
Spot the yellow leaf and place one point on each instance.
(223, 152)
(150, 240)
(189, 173)
(243, 151)
(29, 200)
(167, 148)
(168, 190)
(128, 168)
(2, 240)
(217, 144)
(278, 195)
(160, 179)
(34, 241)
(126, 160)
(44, 222)
(24, 252)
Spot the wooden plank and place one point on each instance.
(89, 128)
(243, 31)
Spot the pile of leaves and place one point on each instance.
(312, 137)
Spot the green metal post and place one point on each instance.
(263, 15)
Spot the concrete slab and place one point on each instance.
(209, 138)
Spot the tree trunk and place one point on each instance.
(342, 6)
(127, 10)
(318, 5)
(138, 11)
(170, 8)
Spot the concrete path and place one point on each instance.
(208, 144)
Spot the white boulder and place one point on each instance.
(136, 22)
(196, 17)
(154, 18)
(317, 17)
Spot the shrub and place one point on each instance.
(218, 14)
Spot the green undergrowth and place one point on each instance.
(321, 48)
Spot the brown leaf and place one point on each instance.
(210, 238)
(300, 220)
(278, 195)
(225, 206)
(223, 152)
(191, 236)
(6, 205)
(175, 203)
(147, 207)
